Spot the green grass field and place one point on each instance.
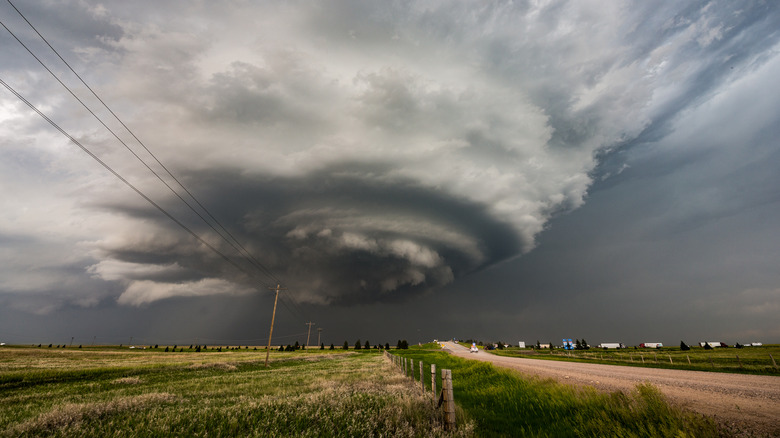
(106, 391)
(748, 360)
(102, 391)
(506, 403)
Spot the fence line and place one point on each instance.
(731, 361)
(446, 398)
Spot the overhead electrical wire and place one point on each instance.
(120, 177)
(232, 241)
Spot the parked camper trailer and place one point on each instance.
(606, 345)
(713, 344)
(651, 345)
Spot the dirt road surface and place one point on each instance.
(742, 403)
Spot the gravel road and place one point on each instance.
(746, 405)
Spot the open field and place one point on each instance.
(743, 404)
(506, 403)
(748, 360)
(123, 392)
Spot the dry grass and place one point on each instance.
(224, 394)
(224, 366)
(127, 381)
(71, 415)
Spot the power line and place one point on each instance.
(296, 308)
(232, 241)
(134, 188)
(120, 177)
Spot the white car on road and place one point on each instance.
(474, 348)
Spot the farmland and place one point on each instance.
(117, 391)
(106, 391)
(749, 360)
(506, 403)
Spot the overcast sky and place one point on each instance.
(408, 170)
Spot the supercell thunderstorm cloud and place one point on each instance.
(364, 152)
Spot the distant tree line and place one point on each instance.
(359, 345)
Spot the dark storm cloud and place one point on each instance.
(368, 152)
(336, 238)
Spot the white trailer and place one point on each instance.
(606, 345)
(712, 344)
(651, 345)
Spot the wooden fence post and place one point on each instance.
(774, 364)
(422, 381)
(670, 359)
(411, 368)
(739, 362)
(689, 359)
(643, 358)
(433, 381)
(449, 399)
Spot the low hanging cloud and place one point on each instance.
(145, 291)
(373, 151)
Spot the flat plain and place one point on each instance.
(109, 391)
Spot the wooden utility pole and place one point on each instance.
(309, 334)
(319, 332)
(273, 316)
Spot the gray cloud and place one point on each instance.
(335, 238)
(370, 152)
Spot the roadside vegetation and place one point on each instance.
(506, 403)
(747, 360)
(104, 391)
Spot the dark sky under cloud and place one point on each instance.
(513, 171)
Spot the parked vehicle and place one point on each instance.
(606, 345)
(651, 345)
(713, 344)
(474, 348)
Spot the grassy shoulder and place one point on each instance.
(506, 403)
(750, 360)
(113, 392)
